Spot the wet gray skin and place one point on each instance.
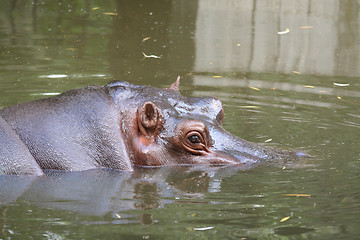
(15, 158)
(122, 125)
(178, 118)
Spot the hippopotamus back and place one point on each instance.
(74, 131)
(15, 158)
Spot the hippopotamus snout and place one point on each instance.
(235, 150)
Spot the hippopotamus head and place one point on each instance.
(162, 127)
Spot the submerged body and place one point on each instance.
(119, 126)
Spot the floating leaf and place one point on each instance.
(203, 228)
(341, 84)
(95, 8)
(110, 13)
(145, 39)
(296, 195)
(285, 219)
(150, 56)
(249, 107)
(308, 86)
(255, 88)
(284, 32)
(217, 76)
(296, 72)
(268, 140)
(117, 215)
(339, 97)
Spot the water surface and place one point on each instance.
(286, 71)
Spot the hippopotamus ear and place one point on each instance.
(176, 84)
(149, 119)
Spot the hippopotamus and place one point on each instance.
(121, 126)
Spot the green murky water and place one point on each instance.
(287, 73)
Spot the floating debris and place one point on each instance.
(268, 140)
(297, 195)
(285, 219)
(284, 32)
(296, 72)
(194, 214)
(110, 13)
(254, 88)
(341, 84)
(217, 76)
(306, 27)
(308, 86)
(145, 39)
(95, 8)
(203, 228)
(150, 56)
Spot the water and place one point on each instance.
(278, 66)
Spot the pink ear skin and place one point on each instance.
(149, 125)
(149, 120)
(175, 86)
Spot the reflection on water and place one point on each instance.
(243, 36)
(102, 191)
(280, 86)
(286, 71)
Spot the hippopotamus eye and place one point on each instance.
(193, 136)
(194, 139)
(195, 143)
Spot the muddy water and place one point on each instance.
(286, 71)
